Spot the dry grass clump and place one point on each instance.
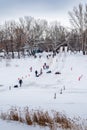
(42, 118)
(63, 120)
(13, 114)
(28, 117)
(56, 120)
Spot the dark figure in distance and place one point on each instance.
(20, 82)
(36, 73)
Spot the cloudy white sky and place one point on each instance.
(50, 10)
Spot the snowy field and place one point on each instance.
(39, 92)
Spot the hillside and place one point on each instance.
(70, 86)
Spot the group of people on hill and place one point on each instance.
(16, 86)
(45, 66)
(37, 74)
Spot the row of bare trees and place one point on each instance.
(31, 33)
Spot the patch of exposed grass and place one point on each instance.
(56, 120)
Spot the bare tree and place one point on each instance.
(12, 45)
(78, 19)
(19, 39)
(58, 34)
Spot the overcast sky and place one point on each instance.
(50, 10)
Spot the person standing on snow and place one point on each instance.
(20, 82)
(36, 73)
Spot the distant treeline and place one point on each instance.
(36, 35)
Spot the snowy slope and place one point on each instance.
(38, 92)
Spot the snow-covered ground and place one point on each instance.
(39, 92)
